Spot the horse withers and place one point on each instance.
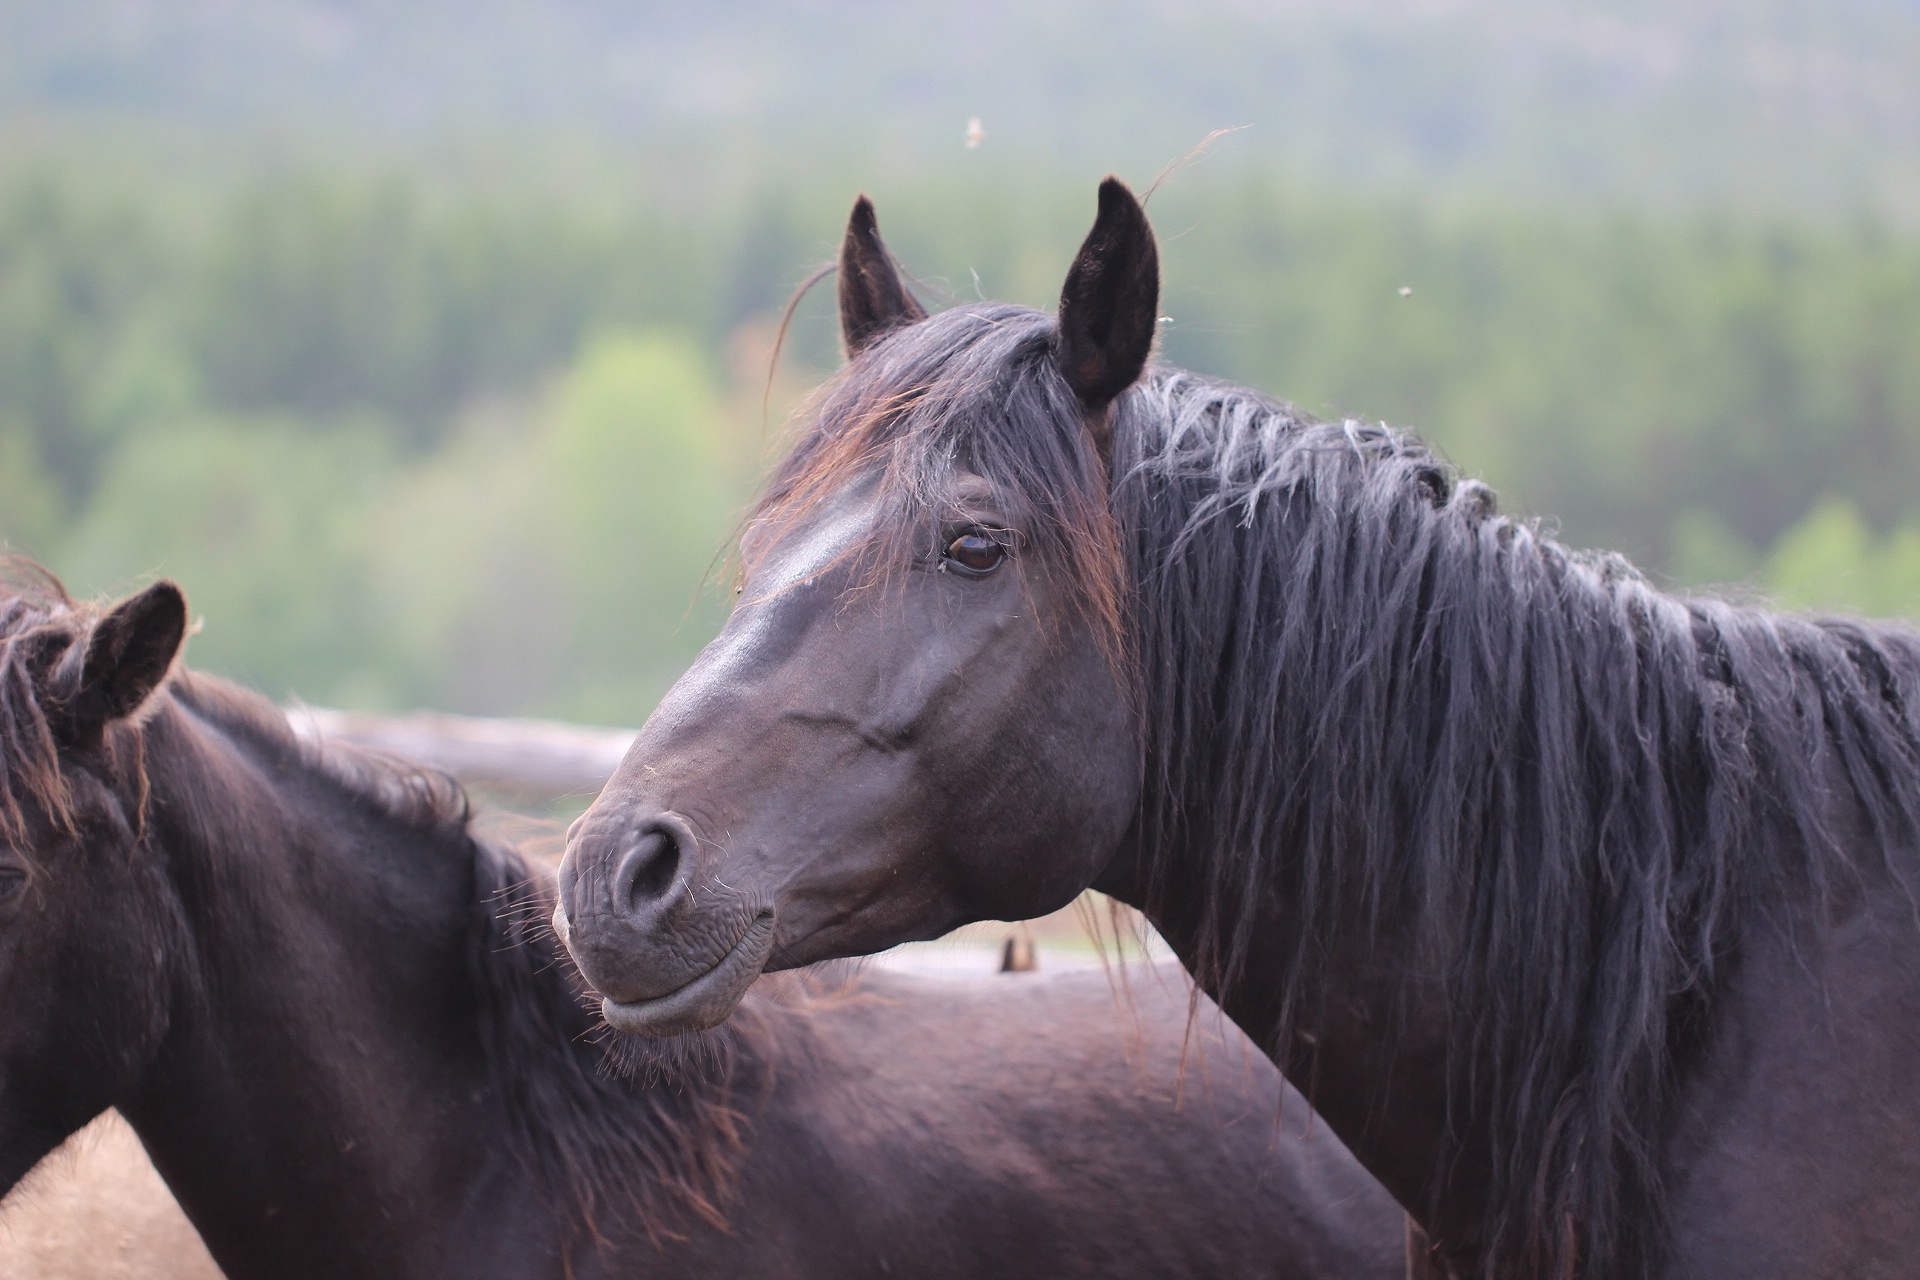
(1584, 913)
(340, 1026)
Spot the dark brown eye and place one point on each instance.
(12, 881)
(975, 553)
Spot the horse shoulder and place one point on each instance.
(1796, 1147)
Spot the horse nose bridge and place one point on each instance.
(780, 651)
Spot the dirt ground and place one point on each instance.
(96, 1210)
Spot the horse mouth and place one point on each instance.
(705, 1002)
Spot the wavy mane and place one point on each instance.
(620, 1131)
(1369, 697)
(1366, 688)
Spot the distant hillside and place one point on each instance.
(1802, 105)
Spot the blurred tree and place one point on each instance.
(265, 525)
(1707, 551)
(1831, 561)
(76, 277)
(322, 296)
(553, 559)
(475, 445)
(29, 497)
(637, 472)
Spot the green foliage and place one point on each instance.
(636, 487)
(1707, 551)
(476, 447)
(29, 506)
(262, 522)
(1748, 104)
(552, 560)
(327, 296)
(1832, 562)
(78, 277)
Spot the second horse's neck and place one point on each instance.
(321, 1105)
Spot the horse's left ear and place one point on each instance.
(1110, 304)
(127, 656)
(873, 298)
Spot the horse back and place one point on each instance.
(965, 1121)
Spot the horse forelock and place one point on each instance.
(971, 391)
(41, 629)
(1364, 688)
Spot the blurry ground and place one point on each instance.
(1086, 935)
(96, 1210)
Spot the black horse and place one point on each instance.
(1585, 914)
(340, 1026)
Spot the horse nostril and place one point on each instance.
(647, 872)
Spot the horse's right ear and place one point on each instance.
(1110, 304)
(128, 654)
(872, 297)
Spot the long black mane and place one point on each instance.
(616, 1133)
(1367, 695)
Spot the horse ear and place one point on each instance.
(872, 297)
(1110, 304)
(127, 656)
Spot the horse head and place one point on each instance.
(83, 947)
(918, 713)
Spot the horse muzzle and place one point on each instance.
(666, 959)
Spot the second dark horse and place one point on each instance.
(339, 1025)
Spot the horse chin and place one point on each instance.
(705, 1002)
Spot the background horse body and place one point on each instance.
(337, 1023)
(1586, 915)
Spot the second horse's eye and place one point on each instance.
(975, 553)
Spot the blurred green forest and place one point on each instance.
(475, 443)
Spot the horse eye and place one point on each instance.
(975, 553)
(12, 881)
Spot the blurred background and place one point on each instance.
(425, 344)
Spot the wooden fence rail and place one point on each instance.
(531, 757)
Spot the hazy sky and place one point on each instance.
(1809, 101)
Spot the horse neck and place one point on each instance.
(1460, 825)
(1384, 1093)
(1372, 1063)
(321, 1104)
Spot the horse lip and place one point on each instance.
(705, 1002)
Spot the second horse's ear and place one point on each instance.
(1110, 305)
(126, 657)
(873, 299)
